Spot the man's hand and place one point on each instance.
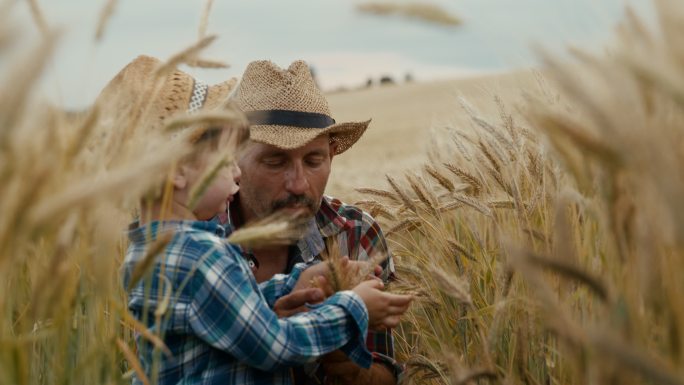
(352, 268)
(296, 301)
(312, 287)
(338, 367)
(314, 276)
(384, 309)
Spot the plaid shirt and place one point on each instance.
(359, 237)
(219, 324)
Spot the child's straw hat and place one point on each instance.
(138, 89)
(286, 109)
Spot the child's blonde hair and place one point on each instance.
(173, 102)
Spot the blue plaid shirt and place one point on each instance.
(218, 324)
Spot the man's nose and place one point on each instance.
(295, 180)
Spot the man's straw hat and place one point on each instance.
(138, 89)
(286, 109)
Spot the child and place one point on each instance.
(200, 294)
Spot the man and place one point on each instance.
(286, 166)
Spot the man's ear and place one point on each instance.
(333, 148)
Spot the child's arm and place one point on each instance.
(281, 284)
(300, 279)
(229, 313)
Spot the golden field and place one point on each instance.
(404, 119)
(542, 234)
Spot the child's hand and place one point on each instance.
(384, 309)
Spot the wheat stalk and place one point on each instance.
(473, 203)
(465, 176)
(405, 199)
(379, 193)
(375, 209)
(205, 63)
(429, 202)
(419, 11)
(207, 178)
(39, 18)
(452, 286)
(275, 229)
(105, 15)
(204, 19)
(568, 269)
(18, 84)
(204, 119)
(440, 178)
(405, 225)
(133, 361)
(148, 260)
(187, 55)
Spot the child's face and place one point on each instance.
(216, 197)
(221, 190)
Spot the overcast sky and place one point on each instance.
(344, 46)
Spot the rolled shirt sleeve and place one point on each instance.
(281, 284)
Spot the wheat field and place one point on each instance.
(548, 238)
(539, 223)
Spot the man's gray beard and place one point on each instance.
(292, 200)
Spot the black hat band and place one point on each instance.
(289, 118)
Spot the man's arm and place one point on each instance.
(385, 370)
(368, 241)
(337, 365)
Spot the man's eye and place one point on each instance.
(272, 162)
(314, 162)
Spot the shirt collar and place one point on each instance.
(326, 223)
(329, 221)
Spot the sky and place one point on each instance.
(344, 46)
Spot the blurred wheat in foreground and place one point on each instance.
(551, 239)
(69, 184)
(427, 12)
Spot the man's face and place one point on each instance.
(274, 179)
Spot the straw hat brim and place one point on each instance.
(289, 137)
(217, 94)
